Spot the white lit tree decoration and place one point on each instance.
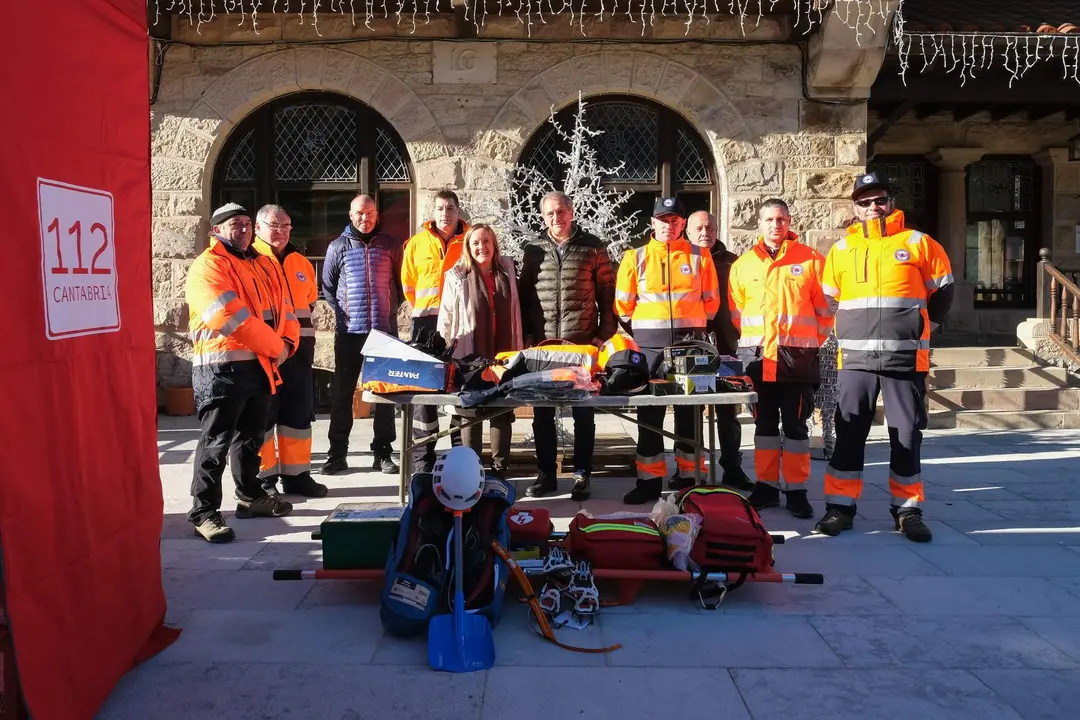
(597, 208)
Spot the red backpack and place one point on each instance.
(732, 538)
(622, 544)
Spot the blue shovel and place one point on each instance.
(461, 642)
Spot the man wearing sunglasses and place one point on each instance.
(887, 283)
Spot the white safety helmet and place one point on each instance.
(458, 478)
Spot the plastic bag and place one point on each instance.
(679, 532)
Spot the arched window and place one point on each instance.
(662, 154)
(311, 153)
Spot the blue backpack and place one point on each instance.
(419, 578)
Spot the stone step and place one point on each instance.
(982, 378)
(951, 357)
(1005, 420)
(1011, 399)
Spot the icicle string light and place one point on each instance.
(962, 54)
(858, 14)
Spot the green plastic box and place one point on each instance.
(358, 536)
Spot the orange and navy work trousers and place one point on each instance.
(904, 394)
(651, 461)
(286, 449)
(789, 404)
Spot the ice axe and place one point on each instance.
(459, 642)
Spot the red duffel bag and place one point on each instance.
(623, 544)
(732, 538)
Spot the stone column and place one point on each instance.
(1060, 205)
(952, 229)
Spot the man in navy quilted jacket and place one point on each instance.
(362, 283)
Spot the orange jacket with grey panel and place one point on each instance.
(888, 282)
(240, 317)
(301, 283)
(780, 310)
(427, 259)
(666, 291)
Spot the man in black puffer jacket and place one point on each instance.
(567, 291)
(701, 231)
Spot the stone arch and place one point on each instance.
(187, 159)
(684, 90)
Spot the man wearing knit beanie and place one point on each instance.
(242, 328)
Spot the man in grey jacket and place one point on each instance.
(567, 289)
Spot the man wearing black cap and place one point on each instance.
(887, 284)
(666, 292)
(242, 329)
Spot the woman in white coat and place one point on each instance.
(480, 311)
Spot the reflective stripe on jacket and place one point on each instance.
(239, 309)
(666, 290)
(427, 259)
(881, 276)
(780, 309)
(301, 282)
(362, 281)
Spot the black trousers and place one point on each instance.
(348, 361)
(426, 417)
(905, 412)
(729, 433)
(546, 439)
(232, 428)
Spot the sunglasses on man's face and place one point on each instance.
(879, 201)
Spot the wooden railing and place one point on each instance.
(1059, 301)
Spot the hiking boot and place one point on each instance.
(737, 479)
(679, 483)
(644, 492)
(213, 529)
(764, 496)
(581, 490)
(837, 519)
(269, 484)
(386, 465)
(798, 505)
(543, 485)
(910, 522)
(303, 485)
(265, 506)
(334, 465)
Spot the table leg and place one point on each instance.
(405, 463)
(697, 448)
(711, 411)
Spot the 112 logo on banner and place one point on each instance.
(78, 260)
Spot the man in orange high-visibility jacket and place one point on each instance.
(666, 291)
(428, 256)
(888, 284)
(242, 329)
(777, 303)
(286, 451)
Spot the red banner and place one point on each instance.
(80, 497)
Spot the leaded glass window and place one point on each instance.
(241, 164)
(660, 152)
(315, 143)
(311, 153)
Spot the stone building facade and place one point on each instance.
(951, 150)
(464, 111)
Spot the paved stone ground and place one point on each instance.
(982, 623)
